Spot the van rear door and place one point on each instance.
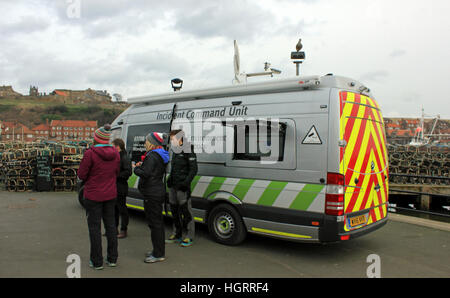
(363, 160)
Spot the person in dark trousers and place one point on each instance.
(99, 169)
(122, 188)
(151, 172)
(183, 170)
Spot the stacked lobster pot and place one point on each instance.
(419, 164)
(64, 167)
(39, 166)
(18, 166)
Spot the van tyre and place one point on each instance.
(226, 226)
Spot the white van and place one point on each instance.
(328, 181)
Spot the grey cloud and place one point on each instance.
(237, 19)
(233, 19)
(374, 76)
(397, 53)
(93, 10)
(99, 18)
(26, 25)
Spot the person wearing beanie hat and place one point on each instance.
(102, 134)
(99, 169)
(151, 173)
(156, 138)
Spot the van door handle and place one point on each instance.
(377, 188)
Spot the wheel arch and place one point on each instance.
(222, 197)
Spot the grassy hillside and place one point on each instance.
(32, 112)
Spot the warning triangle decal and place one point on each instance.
(312, 137)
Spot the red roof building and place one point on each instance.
(57, 130)
(14, 131)
(60, 93)
(42, 131)
(72, 130)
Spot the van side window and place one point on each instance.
(135, 142)
(115, 133)
(258, 140)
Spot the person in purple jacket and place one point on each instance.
(99, 169)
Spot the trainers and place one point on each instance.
(186, 242)
(152, 259)
(173, 239)
(92, 266)
(111, 264)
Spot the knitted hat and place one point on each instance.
(156, 138)
(103, 134)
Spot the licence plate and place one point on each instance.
(357, 220)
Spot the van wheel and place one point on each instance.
(226, 226)
(81, 197)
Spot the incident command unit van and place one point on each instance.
(327, 180)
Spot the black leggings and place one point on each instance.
(96, 211)
(122, 212)
(153, 208)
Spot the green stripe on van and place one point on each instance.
(213, 186)
(306, 196)
(194, 182)
(271, 193)
(269, 196)
(241, 189)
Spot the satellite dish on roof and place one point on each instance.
(237, 62)
(240, 78)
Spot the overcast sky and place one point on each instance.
(398, 48)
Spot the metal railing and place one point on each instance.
(420, 176)
(438, 196)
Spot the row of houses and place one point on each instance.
(55, 130)
(403, 130)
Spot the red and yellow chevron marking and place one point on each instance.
(364, 160)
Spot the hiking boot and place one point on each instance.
(173, 239)
(186, 242)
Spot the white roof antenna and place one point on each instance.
(238, 76)
(241, 78)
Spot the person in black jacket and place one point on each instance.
(151, 172)
(182, 171)
(122, 188)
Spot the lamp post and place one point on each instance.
(177, 84)
(298, 57)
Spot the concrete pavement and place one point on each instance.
(39, 230)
